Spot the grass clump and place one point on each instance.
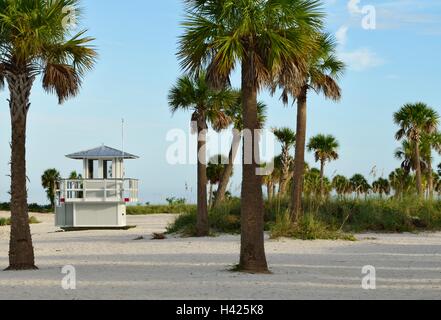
(160, 209)
(308, 228)
(7, 221)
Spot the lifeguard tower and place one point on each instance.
(98, 199)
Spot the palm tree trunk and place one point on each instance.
(269, 188)
(252, 254)
(226, 174)
(285, 171)
(418, 170)
(210, 195)
(202, 226)
(430, 178)
(21, 250)
(299, 166)
(322, 178)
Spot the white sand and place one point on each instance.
(111, 265)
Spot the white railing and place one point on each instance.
(98, 190)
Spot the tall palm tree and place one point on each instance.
(414, 121)
(325, 149)
(267, 39)
(215, 169)
(359, 185)
(430, 142)
(207, 106)
(35, 41)
(381, 187)
(49, 181)
(323, 72)
(234, 112)
(287, 138)
(341, 185)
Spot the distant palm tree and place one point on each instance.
(359, 185)
(234, 112)
(325, 149)
(207, 106)
(416, 120)
(401, 182)
(49, 181)
(287, 138)
(35, 41)
(341, 185)
(315, 185)
(75, 176)
(268, 40)
(381, 187)
(406, 153)
(215, 169)
(323, 72)
(430, 142)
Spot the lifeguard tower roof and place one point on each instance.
(102, 152)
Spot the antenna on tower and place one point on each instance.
(122, 142)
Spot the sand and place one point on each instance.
(112, 265)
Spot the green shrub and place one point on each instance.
(328, 217)
(7, 221)
(160, 209)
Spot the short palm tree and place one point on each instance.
(287, 138)
(325, 150)
(35, 41)
(341, 185)
(430, 142)
(267, 39)
(360, 185)
(234, 112)
(406, 153)
(401, 182)
(416, 120)
(215, 169)
(323, 72)
(381, 187)
(49, 181)
(207, 106)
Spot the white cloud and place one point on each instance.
(342, 35)
(361, 59)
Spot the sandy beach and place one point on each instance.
(113, 265)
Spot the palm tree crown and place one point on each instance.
(61, 59)
(325, 147)
(414, 120)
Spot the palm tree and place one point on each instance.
(207, 106)
(234, 112)
(429, 142)
(325, 149)
(35, 41)
(267, 39)
(49, 181)
(287, 138)
(341, 185)
(359, 185)
(215, 169)
(323, 72)
(414, 121)
(406, 153)
(401, 182)
(381, 187)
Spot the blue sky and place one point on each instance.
(398, 62)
